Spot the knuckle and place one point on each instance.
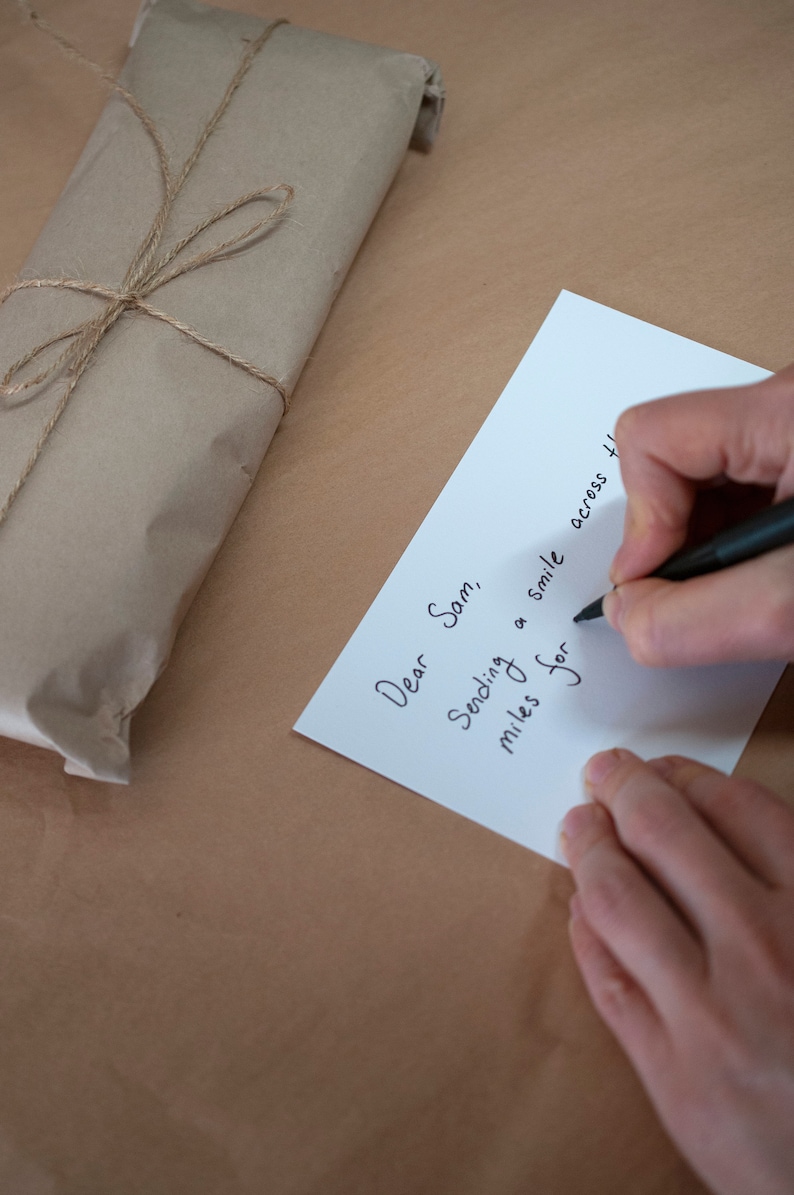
(682, 771)
(776, 964)
(606, 900)
(739, 798)
(769, 951)
(648, 824)
(757, 945)
(723, 1042)
(758, 447)
(741, 925)
(613, 995)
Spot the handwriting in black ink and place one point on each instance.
(398, 693)
(457, 607)
(539, 587)
(546, 577)
(484, 687)
(522, 715)
(560, 665)
(592, 492)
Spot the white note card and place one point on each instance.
(467, 680)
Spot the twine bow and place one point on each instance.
(147, 272)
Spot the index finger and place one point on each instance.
(674, 844)
(755, 822)
(670, 445)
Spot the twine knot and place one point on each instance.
(147, 272)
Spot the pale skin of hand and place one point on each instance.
(683, 920)
(683, 929)
(668, 448)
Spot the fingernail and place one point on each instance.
(663, 766)
(598, 768)
(632, 531)
(576, 820)
(615, 571)
(613, 609)
(635, 529)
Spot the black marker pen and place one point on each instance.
(771, 528)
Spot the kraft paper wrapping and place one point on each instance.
(117, 525)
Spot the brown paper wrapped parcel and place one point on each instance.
(136, 488)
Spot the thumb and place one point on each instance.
(741, 613)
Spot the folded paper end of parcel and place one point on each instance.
(428, 118)
(221, 122)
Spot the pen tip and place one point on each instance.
(594, 610)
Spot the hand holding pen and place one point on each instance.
(769, 528)
(669, 450)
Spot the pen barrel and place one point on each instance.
(772, 528)
(693, 563)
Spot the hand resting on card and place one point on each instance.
(683, 929)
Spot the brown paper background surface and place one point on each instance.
(261, 968)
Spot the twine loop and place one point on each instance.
(147, 272)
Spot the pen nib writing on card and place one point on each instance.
(594, 610)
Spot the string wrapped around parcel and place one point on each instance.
(133, 493)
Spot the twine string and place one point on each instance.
(147, 272)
